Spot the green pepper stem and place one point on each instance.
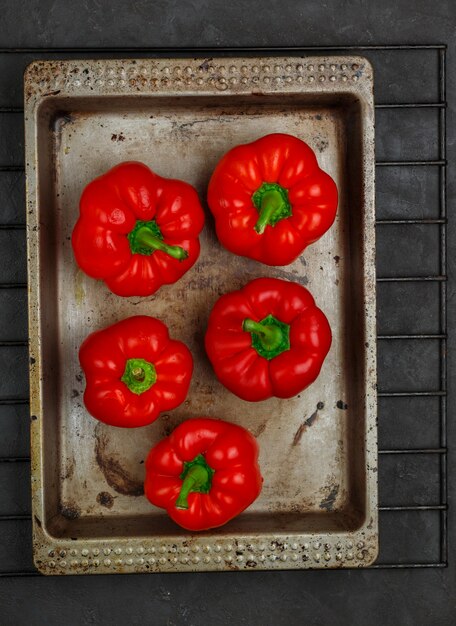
(272, 202)
(271, 336)
(139, 375)
(197, 477)
(145, 237)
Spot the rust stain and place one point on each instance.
(306, 424)
(261, 428)
(64, 119)
(69, 470)
(51, 93)
(70, 510)
(328, 502)
(105, 499)
(116, 476)
(321, 144)
(205, 64)
(168, 424)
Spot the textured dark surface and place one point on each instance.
(378, 596)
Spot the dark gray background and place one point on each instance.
(396, 597)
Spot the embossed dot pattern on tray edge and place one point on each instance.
(200, 74)
(313, 554)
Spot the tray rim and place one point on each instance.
(338, 74)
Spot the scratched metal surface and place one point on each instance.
(163, 137)
(318, 504)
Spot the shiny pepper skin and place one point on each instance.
(270, 199)
(134, 371)
(267, 339)
(137, 231)
(204, 474)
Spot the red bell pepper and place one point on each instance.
(270, 199)
(134, 371)
(267, 339)
(137, 230)
(204, 474)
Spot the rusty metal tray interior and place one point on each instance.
(318, 507)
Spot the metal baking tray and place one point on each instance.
(318, 507)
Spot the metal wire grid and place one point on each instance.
(441, 278)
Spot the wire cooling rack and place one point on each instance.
(411, 217)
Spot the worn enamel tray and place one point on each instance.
(318, 456)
